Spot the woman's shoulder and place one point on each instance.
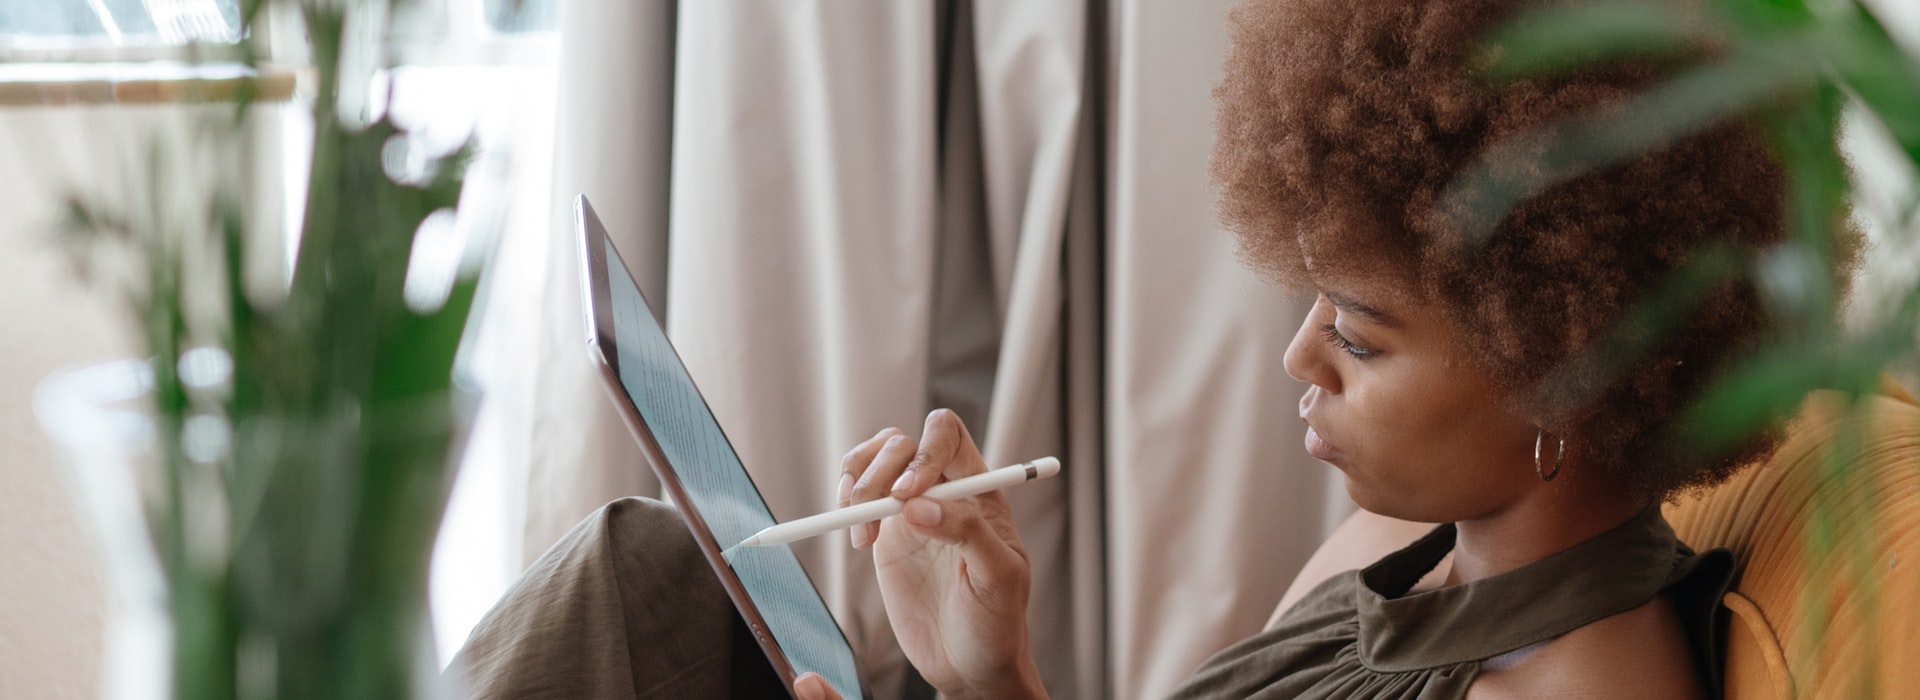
(1641, 653)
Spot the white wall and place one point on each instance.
(50, 590)
(1885, 177)
(52, 595)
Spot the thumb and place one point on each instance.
(810, 686)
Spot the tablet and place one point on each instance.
(701, 472)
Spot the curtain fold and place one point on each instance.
(1030, 64)
(612, 142)
(1083, 376)
(1213, 505)
(803, 250)
(878, 208)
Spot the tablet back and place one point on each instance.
(699, 469)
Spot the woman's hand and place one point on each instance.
(953, 574)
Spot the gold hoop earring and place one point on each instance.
(1559, 455)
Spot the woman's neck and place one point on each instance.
(1553, 517)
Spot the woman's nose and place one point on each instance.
(1306, 358)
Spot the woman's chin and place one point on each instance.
(1372, 501)
(1366, 499)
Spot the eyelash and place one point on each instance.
(1347, 346)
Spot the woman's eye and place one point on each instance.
(1347, 346)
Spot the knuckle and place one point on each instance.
(853, 464)
(968, 520)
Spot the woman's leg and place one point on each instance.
(625, 606)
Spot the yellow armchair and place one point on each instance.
(1828, 600)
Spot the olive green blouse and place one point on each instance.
(1362, 635)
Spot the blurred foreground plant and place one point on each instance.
(305, 434)
(1793, 68)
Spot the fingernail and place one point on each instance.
(904, 482)
(922, 512)
(807, 687)
(845, 490)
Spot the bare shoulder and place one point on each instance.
(1359, 541)
(1641, 653)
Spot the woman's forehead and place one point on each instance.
(1379, 291)
(1364, 308)
(1351, 249)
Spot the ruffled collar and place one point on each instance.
(1611, 573)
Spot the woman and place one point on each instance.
(1445, 383)
(1442, 385)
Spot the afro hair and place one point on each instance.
(1341, 126)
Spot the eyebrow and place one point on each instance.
(1357, 308)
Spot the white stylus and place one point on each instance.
(870, 511)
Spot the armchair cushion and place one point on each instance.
(1828, 536)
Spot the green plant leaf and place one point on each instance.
(1554, 40)
(1872, 65)
(1649, 322)
(1511, 171)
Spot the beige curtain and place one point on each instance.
(1213, 504)
(999, 206)
(612, 136)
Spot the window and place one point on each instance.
(71, 23)
(520, 16)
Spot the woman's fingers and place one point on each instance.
(885, 467)
(890, 463)
(946, 449)
(947, 452)
(810, 686)
(854, 465)
(857, 464)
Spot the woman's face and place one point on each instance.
(1418, 431)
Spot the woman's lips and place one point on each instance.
(1320, 449)
(1316, 445)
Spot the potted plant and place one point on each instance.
(292, 443)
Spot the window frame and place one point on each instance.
(461, 37)
(99, 49)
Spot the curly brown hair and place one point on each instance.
(1341, 125)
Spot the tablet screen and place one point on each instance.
(722, 494)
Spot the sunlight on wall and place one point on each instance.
(509, 110)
